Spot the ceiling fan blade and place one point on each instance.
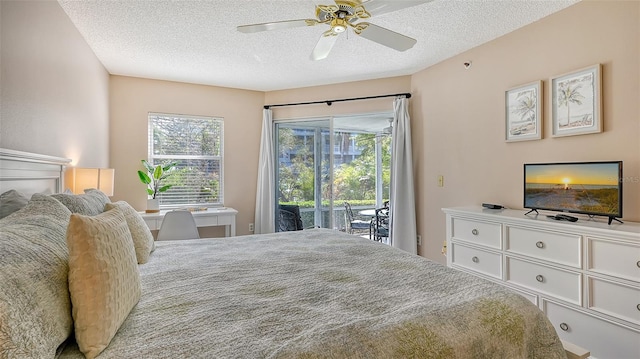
(277, 25)
(386, 37)
(378, 7)
(323, 2)
(323, 47)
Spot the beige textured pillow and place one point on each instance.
(142, 238)
(104, 281)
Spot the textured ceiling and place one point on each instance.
(197, 41)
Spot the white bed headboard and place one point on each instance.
(31, 173)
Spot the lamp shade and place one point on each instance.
(79, 179)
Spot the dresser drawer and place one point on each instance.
(485, 233)
(555, 247)
(614, 258)
(477, 260)
(556, 282)
(602, 338)
(615, 299)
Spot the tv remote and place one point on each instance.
(566, 217)
(492, 206)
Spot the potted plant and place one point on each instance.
(154, 178)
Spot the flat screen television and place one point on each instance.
(592, 188)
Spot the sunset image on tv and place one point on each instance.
(579, 187)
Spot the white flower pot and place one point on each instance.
(153, 206)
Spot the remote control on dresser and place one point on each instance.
(566, 217)
(492, 206)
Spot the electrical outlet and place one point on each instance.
(251, 227)
(419, 237)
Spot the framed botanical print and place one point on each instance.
(576, 102)
(523, 112)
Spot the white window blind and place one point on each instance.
(196, 145)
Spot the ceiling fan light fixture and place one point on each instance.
(338, 26)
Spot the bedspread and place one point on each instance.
(320, 294)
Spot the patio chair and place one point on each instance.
(380, 224)
(355, 224)
(289, 218)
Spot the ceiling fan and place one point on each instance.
(343, 15)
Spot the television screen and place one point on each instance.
(593, 188)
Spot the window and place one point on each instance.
(325, 162)
(196, 145)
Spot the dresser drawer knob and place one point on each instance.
(540, 278)
(475, 232)
(564, 326)
(475, 259)
(540, 244)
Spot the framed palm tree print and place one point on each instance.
(576, 102)
(523, 112)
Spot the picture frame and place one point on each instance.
(523, 112)
(576, 102)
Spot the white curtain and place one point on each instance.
(265, 196)
(402, 206)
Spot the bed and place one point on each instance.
(315, 293)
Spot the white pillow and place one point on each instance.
(104, 281)
(142, 238)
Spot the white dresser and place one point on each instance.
(584, 275)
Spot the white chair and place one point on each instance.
(178, 225)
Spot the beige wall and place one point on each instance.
(458, 114)
(54, 89)
(131, 99)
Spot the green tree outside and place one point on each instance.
(354, 181)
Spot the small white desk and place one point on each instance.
(211, 217)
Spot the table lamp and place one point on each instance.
(78, 179)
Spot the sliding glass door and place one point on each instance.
(324, 162)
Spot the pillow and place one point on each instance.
(11, 201)
(140, 233)
(104, 281)
(89, 204)
(35, 309)
(96, 198)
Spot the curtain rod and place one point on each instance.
(330, 102)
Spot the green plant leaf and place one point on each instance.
(144, 178)
(157, 172)
(164, 188)
(150, 192)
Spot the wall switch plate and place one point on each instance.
(440, 181)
